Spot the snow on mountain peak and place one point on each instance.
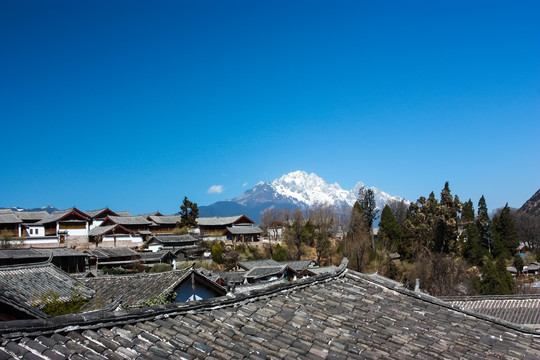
(310, 189)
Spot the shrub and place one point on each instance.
(51, 305)
(157, 268)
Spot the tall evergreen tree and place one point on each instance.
(505, 232)
(366, 199)
(484, 225)
(389, 231)
(467, 213)
(189, 212)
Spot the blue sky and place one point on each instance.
(134, 105)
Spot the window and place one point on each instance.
(37, 231)
(31, 231)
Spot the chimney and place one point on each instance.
(417, 286)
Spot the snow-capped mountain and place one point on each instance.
(48, 208)
(295, 189)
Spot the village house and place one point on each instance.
(163, 224)
(69, 260)
(98, 216)
(70, 226)
(137, 224)
(10, 224)
(113, 257)
(218, 225)
(114, 235)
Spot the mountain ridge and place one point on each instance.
(295, 189)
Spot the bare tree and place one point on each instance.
(357, 241)
(528, 229)
(322, 218)
(272, 226)
(399, 209)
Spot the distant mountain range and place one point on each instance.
(48, 208)
(295, 189)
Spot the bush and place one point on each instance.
(180, 231)
(51, 305)
(217, 253)
(280, 254)
(157, 268)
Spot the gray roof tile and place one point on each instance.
(345, 315)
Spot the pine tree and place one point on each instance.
(467, 213)
(505, 232)
(389, 231)
(189, 212)
(366, 200)
(484, 225)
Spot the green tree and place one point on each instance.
(505, 232)
(366, 199)
(484, 225)
(280, 254)
(496, 280)
(389, 231)
(518, 263)
(189, 212)
(217, 253)
(467, 214)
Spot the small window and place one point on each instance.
(37, 231)
(31, 231)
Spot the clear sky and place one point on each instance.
(136, 104)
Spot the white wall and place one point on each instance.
(37, 230)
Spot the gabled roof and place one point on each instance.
(59, 215)
(123, 213)
(101, 213)
(29, 282)
(244, 230)
(155, 213)
(341, 315)
(248, 265)
(31, 215)
(151, 256)
(109, 229)
(162, 220)
(131, 290)
(107, 253)
(9, 218)
(171, 239)
(39, 253)
(127, 220)
(260, 272)
(223, 221)
(299, 265)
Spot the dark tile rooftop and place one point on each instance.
(27, 283)
(519, 309)
(130, 290)
(336, 316)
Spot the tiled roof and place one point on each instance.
(519, 309)
(27, 283)
(259, 272)
(22, 253)
(337, 316)
(59, 214)
(149, 256)
(31, 215)
(95, 213)
(130, 220)
(299, 265)
(123, 213)
(9, 218)
(219, 221)
(131, 290)
(173, 239)
(168, 219)
(102, 230)
(244, 230)
(258, 263)
(106, 253)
